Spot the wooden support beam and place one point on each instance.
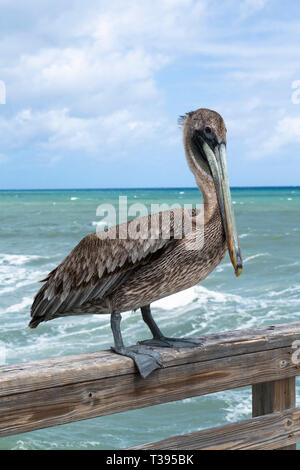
(273, 396)
(266, 432)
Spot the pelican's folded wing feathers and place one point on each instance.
(101, 262)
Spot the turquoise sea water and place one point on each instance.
(39, 228)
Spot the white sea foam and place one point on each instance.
(18, 260)
(16, 274)
(238, 404)
(181, 299)
(206, 309)
(15, 277)
(74, 198)
(20, 445)
(223, 266)
(258, 255)
(26, 302)
(197, 295)
(99, 223)
(18, 285)
(206, 295)
(289, 290)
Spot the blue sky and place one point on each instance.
(94, 90)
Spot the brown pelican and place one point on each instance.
(111, 274)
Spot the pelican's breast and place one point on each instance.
(179, 269)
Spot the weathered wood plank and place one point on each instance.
(266, 432)
(21, 412)
(47, 373)
(274, 396)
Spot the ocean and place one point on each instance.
(39, 228)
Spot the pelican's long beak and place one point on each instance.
(217, 163)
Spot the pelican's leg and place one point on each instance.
(162, 341)
(145, 359)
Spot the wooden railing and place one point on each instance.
(62, 390)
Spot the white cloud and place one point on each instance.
(287, 132)
(289, 127)
(75, 73)
(56, 130)
(101, 49)
(249, 7)
(87, 79)
(96, 69)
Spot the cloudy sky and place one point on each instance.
(94, 90)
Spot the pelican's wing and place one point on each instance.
(101, 262)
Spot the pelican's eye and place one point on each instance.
(208, 132)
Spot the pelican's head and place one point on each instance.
(205, 144)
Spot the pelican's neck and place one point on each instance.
(208, 190)
(204, 181)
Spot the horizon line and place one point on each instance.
(146, 187)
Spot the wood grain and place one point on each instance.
(62, 390)
(47, 373)
(266, 432)
(274, 396)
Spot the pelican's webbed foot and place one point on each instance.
(145, 359)
(161, 341)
